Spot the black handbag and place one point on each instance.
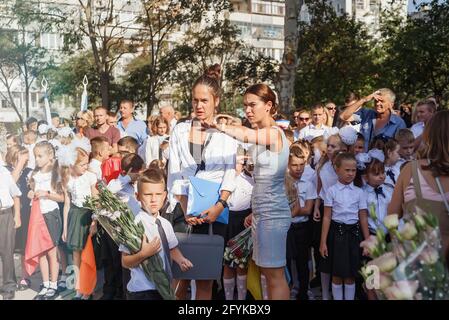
(205, 251)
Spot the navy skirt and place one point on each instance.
(344, 252)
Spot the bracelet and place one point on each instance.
(223, 203)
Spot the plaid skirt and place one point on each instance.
(344, 252)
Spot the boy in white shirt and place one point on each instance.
(299, 237)
(101, 150)
(159, 237)
(132, 166)
(9, 221)
(29, 141)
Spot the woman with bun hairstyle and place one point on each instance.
(271, 217)
(208, 155)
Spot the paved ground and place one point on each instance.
(36, 281)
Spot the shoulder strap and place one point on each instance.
(440, 188)
(416, 181)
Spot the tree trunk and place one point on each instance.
(285, 84)
(105, 81)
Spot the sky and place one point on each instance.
(411, 7)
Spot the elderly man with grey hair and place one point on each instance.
(168, 113)
(379, 122)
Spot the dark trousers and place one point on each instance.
(144, 295)
(126, 277)
(316, 240)
(301, 234)
(7, 242)
(113, 285)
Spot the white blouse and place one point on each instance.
(80, 187)
(346, 201)
(42, 181)
(219, 155)
(380, 202)
(240, 199)
(328, 178)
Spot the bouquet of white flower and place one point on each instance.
(118, 221)
(238, 249)
(411, 266)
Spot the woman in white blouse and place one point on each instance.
(206, 155)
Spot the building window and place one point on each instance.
(373, 5)
(360, 4)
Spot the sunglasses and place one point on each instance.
(301, 118)
(333, 108)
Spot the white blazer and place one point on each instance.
(220, 159)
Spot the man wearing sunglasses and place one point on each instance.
(316, 128)
(378, 121)
(301, 118)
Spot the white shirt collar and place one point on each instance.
(342, 186)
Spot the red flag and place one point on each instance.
(111, 168)
(88, 269)
(39, 240)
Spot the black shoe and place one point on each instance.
(23, 285)
(8, 295)
(315, 282)
(51, 294)
(61, 286)
(42, 293)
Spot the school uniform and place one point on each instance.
(328, 178)
(299, 236)
(344, 237)
(127, 192)
(31, 163)
(79, 218)
(25, 212)
(381, 198)
(49, 208)
(392, 172)
(8, 190)
(140, 287)
(95, 167)
(239, 205)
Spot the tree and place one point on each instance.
(285, 83)
(108, 34)
(9, 72)
(335, 56)
(24, 22)
(160, 21)
(249, 68)
(416, 53)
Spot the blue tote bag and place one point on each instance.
(203, 194)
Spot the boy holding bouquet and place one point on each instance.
(159, 237)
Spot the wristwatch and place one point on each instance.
(223, 203)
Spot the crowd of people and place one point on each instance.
(304, 189)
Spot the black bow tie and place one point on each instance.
(391, 175)
(379, 191)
